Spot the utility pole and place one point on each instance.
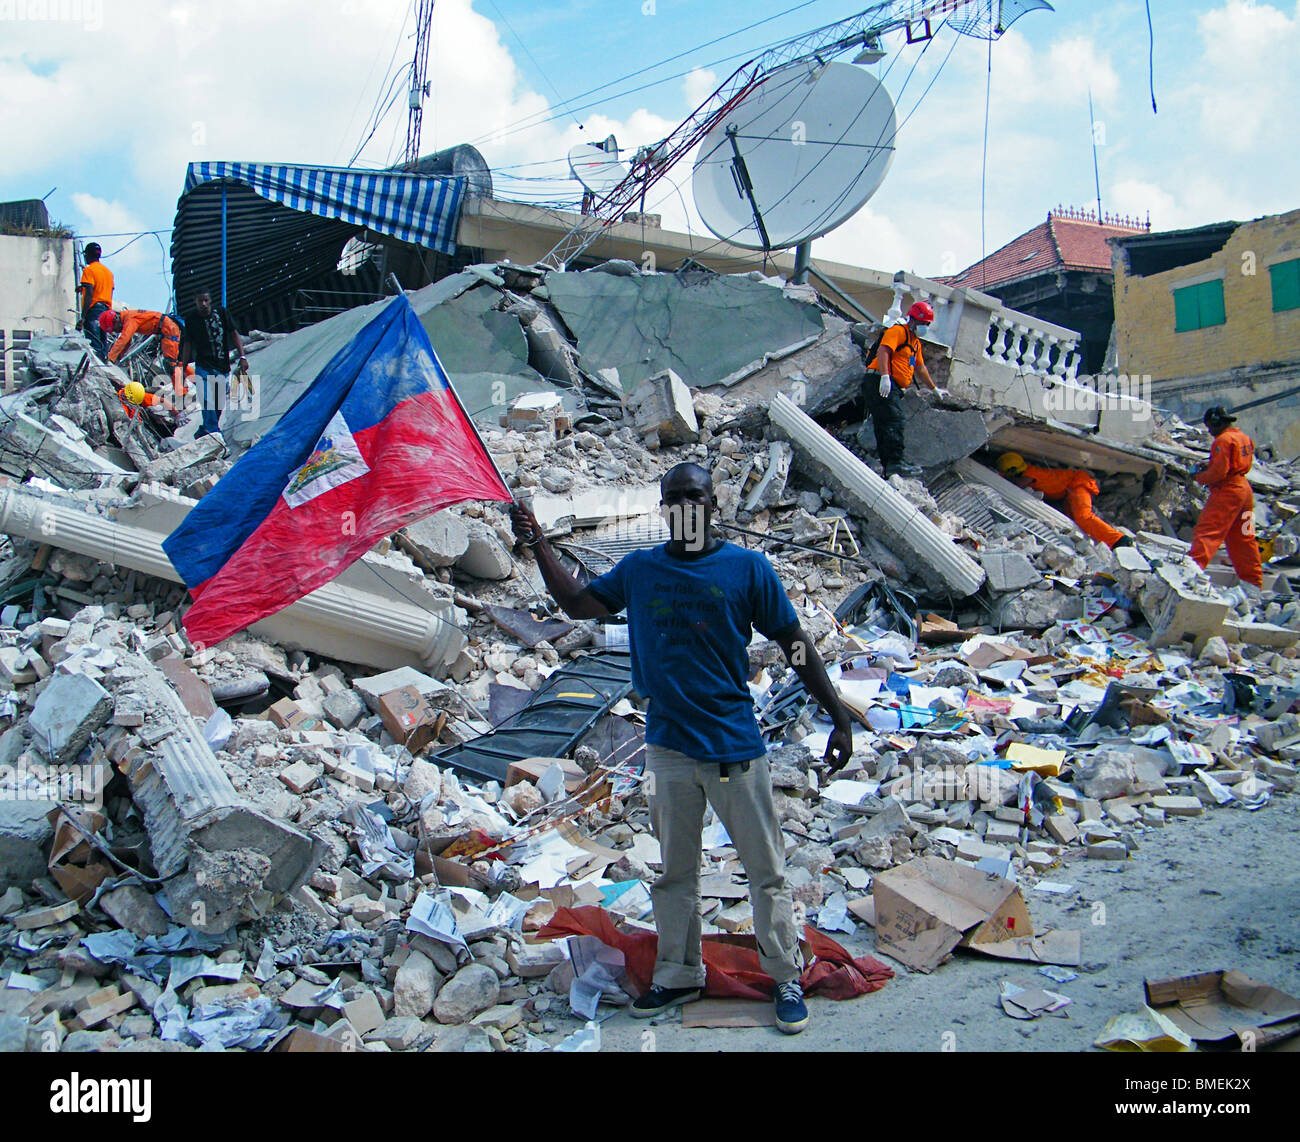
(419, 90)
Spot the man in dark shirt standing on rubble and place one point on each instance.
(691, 605)
(210, 336)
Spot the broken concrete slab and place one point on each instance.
(485, 557)
(436, 541)
(136, 910)
(707, 328)
(69, 710)
(665, 413)
(25, 836)
(933, 437)
(1008, 570)
(376, 686)
(188, 455)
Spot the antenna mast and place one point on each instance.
(419, 90)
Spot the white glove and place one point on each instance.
(885, 386)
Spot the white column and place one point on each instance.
(335, 620)
(933, 553)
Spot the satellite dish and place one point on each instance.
(801, 154)
(596, 168)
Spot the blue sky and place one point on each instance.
(107, 100)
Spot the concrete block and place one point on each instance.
(1008, 570)
(25, 837)
(663, 408)
(435, 541)
(486, 557)
(69, 710)
(934, 437)
(134, 909)
(1184, 614)
(377, 685)
(343, 710)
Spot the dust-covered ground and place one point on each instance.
(1216, 892)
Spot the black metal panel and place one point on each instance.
(562, 710)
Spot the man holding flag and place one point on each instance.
(377, 441)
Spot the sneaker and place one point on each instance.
(660, 999)
(791, 1011)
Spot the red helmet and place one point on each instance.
(107, 320)
(922, 311)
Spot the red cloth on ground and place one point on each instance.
(730, 962)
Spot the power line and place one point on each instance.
(545, 117)
(533, 59)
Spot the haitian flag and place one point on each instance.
(377, 441)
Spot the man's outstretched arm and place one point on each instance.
(574, 599)
(808, 664)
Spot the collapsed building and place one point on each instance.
(380, 818)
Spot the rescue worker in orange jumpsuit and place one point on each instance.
(1229, 514)
(126, 323)
(1076, 488)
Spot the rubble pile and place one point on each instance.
(304, 843)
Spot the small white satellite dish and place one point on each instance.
(597, 169)
(800, 155)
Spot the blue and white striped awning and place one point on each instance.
(413, 208)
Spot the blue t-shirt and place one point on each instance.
(689, 623)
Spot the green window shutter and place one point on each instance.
(1186, 310)
(1211, 303)
(1286, 285)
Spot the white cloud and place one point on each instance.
(699, 84)
(105, 218)
(1249, 73)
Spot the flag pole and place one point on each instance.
(470, 421)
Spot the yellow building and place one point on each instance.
(1212, 316)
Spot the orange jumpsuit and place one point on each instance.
(146, 323)
(1229, 514)
(1076, 489)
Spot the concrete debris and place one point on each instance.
(240, 818)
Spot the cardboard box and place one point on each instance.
(407, 718)
(927, 907)
(1212, 1007)
(288, 715)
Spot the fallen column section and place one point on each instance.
(222, 858)
(923, 546)
(336, 620)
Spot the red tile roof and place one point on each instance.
(1058, 243)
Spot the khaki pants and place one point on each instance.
(680, 787)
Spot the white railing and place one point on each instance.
(1022, 343)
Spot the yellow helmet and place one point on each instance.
(134, 392)
(1011, 464)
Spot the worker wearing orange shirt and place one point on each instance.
(133, 397)
(1229, 514)
(126, 323)
(1073, 486)
(96, 291)
(889, 374)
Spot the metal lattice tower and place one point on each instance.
(986, 19)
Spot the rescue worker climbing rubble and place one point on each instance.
(1229, 513)
(1073, 486)
(889, 373)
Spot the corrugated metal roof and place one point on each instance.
(286, 226)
